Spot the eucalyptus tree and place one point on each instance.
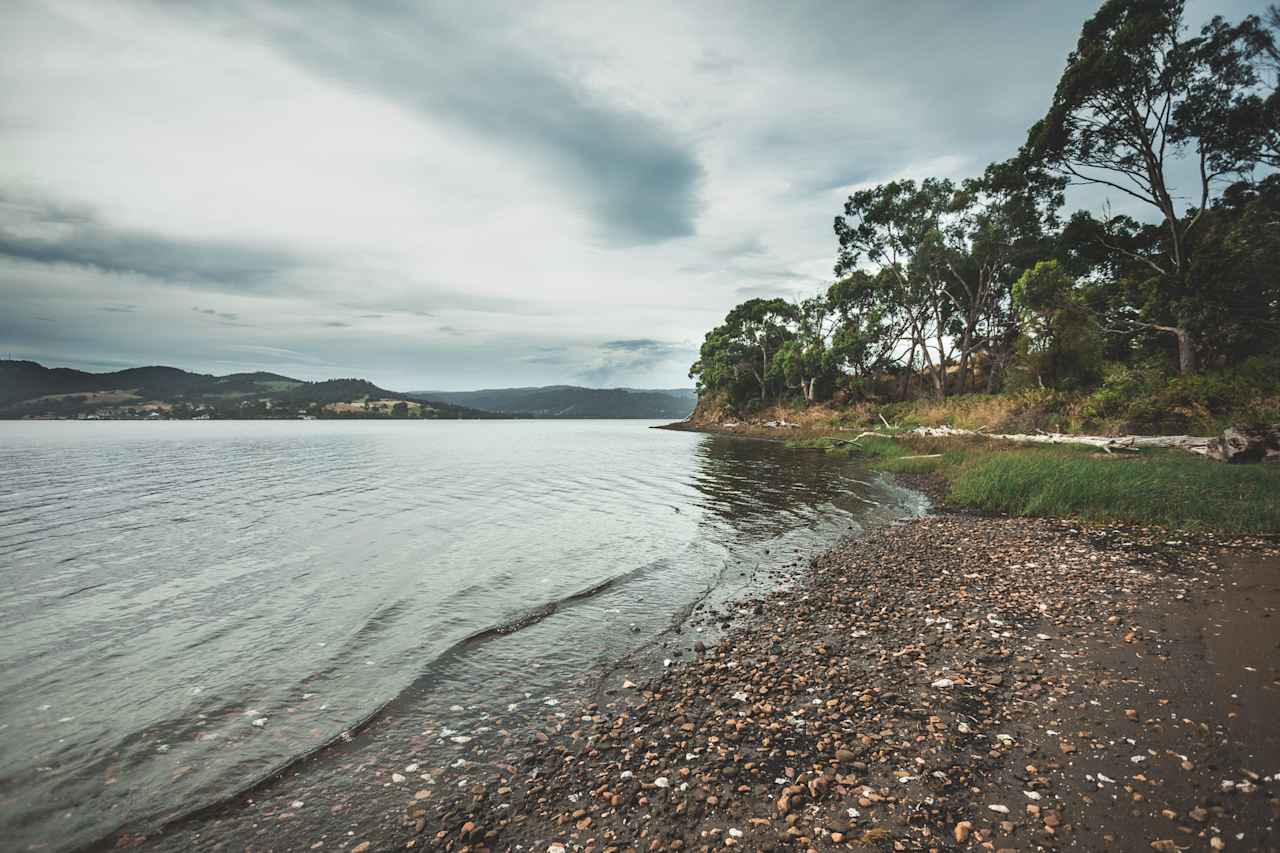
(1059, 342)
(940, 260)
(806, 362)
(740, 352)
(1137, 98)
(895, 229)
(1001, 224)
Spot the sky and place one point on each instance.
(449, 196)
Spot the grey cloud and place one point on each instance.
(221, 315)
(336, 324)
(46, 233)
(634, 176)
(770, 291)
(119, 309)
(548, 355)
(450, 330)
(595, 376)
(618, 359)
(647, 345)
(746, 246)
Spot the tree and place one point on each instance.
(895, 228)
(1059, 341)
(806, 359)
(1136, 97)
(946, 257)
(743, 348)
(1001, 225)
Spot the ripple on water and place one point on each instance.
(188, 606)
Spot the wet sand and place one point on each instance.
(943, 684)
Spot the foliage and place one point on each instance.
(946, 287)
(1137, 96)
(1060, 346)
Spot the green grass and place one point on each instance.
(1169, 488)
(1176, 491)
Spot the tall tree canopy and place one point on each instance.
(947, 285)
(1137, 98)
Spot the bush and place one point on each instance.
(1147, 399)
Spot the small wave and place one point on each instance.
(406, 696)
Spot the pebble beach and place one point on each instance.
(951, 683)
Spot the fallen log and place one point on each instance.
(1236, 444)
(1107, 443)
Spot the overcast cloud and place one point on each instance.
(464, 195)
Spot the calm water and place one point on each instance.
(188, 606)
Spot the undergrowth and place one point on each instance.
(1170, 488)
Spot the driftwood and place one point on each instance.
(1236, 444)
(1192, 443)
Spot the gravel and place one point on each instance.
(949, 683)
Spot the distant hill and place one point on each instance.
(28, 389)
(569, 401)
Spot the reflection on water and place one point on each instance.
(188, 606)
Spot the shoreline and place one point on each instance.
(948, 683)
(907, 683)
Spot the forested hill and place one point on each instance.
(28, 389)
(569, 401)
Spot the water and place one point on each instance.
(188, 606)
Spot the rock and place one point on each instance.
(962, 830)
(996, 807)
(361, 847)
(846, 756)
(1245, 444)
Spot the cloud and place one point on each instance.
(645, 345)
(634, 176)
(624, 360)
(119, 309)
(221, 315)
(488, 193)
(336, 324)
(48, 233)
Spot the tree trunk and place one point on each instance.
(906, 375)
(1187, 360)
